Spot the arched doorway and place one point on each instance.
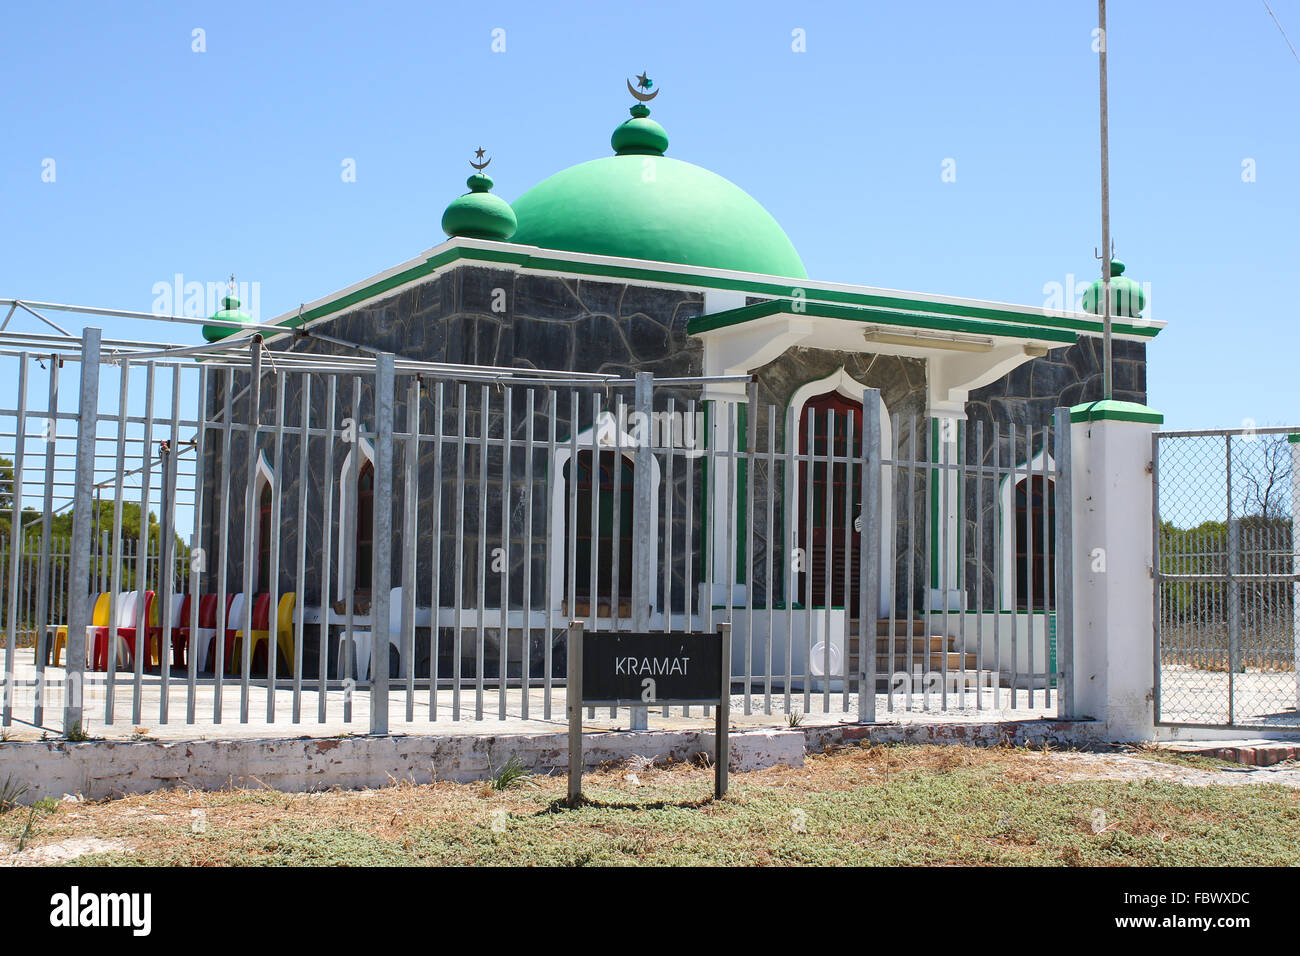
(1035, 539)
(841, 482)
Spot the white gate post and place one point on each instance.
(1114, 600)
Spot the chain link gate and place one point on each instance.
(1225, 578)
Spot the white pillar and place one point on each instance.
(725, 407)
(1114, 598)
(946, 419)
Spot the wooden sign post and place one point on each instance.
(624, 669)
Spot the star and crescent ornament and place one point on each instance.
(478, 154)
(641, 91)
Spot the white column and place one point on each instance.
(725, 406)
(946, 418)
(1114, 600)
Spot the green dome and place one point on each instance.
(1126, 296)
(478, 214)
(640, 204)
(229, 312)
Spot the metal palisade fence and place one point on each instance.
(379, 540)
(1226, 578)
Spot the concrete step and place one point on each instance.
(933, 662)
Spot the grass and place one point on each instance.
(512, 773)
(879, 805)
(10, 794)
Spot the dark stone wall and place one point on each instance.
(541, 322)
(1026, 399)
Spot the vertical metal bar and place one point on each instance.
(1013, 480)
(348, 534)
(526, 631)
(15, 535)
(616, 531)
(643, 530)
(962, 476)
(47, 518)
(435, 571)
(1046, 543)
(82, 522)
(250, 517)
(998, 521)
(459, 553)
(167, 547)
(382, 548)
(927, 495)
(300, 578)
(979, 563)
(410, 504)
(223, 547)
(571, 532)
(850, 489)
(732, 532)
(573, 687)
(771, 555)
(750, 461)
(503, 636)
(553, 478)
(273, 553)
(1234, 588)
(480, 634)
(689, 595)
(669, 447)
(142, 556)
(110, 632)
(945, 516)
(809, 549)
(198, 558)
(722, 726)
(869, 544)
(327, 550)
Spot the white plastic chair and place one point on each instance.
(362, 639)
(125, 607)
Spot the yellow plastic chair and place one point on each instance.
(284, 631)
(98, 618)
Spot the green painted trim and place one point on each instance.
(545, 263)
(1114, 411)
(820, 310)
(1293, 439)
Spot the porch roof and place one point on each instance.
(1014, 328)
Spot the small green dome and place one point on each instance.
(229, 312)
(639, 204)
(478, 214)
(1126, 297)
(640, 136)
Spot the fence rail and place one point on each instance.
(383, 540)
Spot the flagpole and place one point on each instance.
(1107, 359)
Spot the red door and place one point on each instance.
(841, 482)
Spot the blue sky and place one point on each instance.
(170, 161)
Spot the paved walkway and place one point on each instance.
(141, 714)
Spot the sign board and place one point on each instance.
(624, 669)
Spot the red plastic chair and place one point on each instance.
(178, 646)
(261, 614)
(207, 629)
(129, 632)
(100, 648)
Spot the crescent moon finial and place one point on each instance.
(478, 154)
(643, 82)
